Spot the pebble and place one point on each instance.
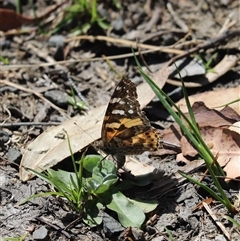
(4, 137)
(13, 155)
(220, 237)
(5, 44)
(40, 234)
(111, 226)
(57, 97)
(188, 67)
(56, 40)
(117, 24)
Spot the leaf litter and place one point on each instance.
(215, 128)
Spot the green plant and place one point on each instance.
(93, 187)
(233, 221)
(170, 236)
(207, 63)
(192, 132)
(18, 6)
(86, 12)
(16, 238)
(76, 102)
(4, 60)
(117, 3)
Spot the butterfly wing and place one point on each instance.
(125, 127)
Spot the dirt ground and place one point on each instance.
(34, 86)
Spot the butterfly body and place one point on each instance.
(126, 130)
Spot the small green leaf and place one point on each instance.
(92, 184)
(110, 179)
(76, 8)
(102, 24)
(92, 211)
(129, 214)
(101, 189)
(146, 205)
(104, 168)
(85, 27)
(63, 178)
(97, 185)
(91, 161)
(4, 60)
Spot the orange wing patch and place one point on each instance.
(126, 130)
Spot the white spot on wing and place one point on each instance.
(118, 112)
(115, 100)
(130, 111)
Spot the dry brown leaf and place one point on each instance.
(145, 93)
(214, 98)
(138, 168)
(235, 127)
(210, 117)
(11, 20)
(219, 140)
(204, 117)
(200, 205)
(181, 158)
(223, 142)
(232, 168)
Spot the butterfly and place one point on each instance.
(125, 129)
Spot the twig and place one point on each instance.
(133, 44)
(153, 20)
(143, 60)
(227, 24)
(220, 69)
(73, 223)
(207, 44)
(219, 224)
(127, 43)
(65, 62)
(30, 124)
(59, 229)
(159, 33)
(61, 111)
(177, 19)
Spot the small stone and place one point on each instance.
(166, 220)
(56, 41)
(111, 226)
(160, 238)
(8, 89)
(87, 75)
(58, 97)
(220, 237)
(117, 24)
(40, 234)
(13, 155)
(5, 44)
(138, 234)
(4, 137)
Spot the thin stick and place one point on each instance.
(30, 124)
(61, 111)
(219, 224)
(65, 233)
